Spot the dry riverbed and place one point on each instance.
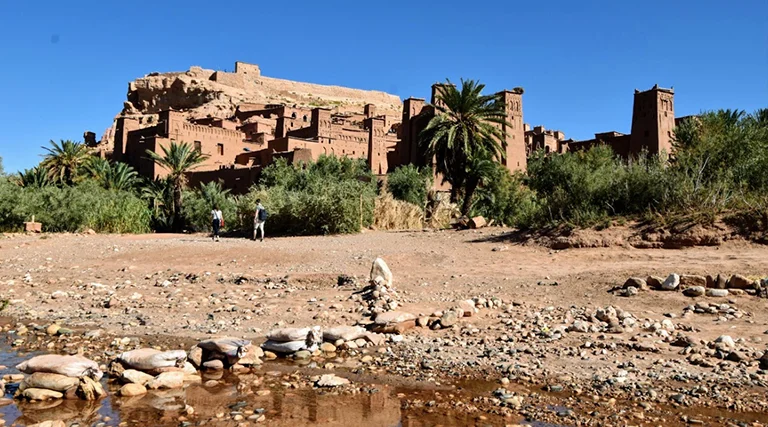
(548, 342)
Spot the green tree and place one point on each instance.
(178, 159)
(410, 183)
(159, 196)
(65, 160)
(2, 171)
(466, 129)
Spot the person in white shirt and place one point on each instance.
(218, 222)
(259, 218)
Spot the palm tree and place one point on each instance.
(178, 159)
(37, 177)
(467, 127)
(120, 176)
(159, 195)
(64, 161)
(97, 168)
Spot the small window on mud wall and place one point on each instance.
(220, 149)
(198, 146)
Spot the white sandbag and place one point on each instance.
(346, 333)
(230, 347)
(286, 347)
(46, 380)
(71, 366)
(288, 334)
(145, 359)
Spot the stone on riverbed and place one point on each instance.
(720, 293)
(132, 390)
(671, 283)
(132, 376)
(331, 380)
(380, 272)
(41, 394)
(346, 333)
(694, 291)
(167, 380)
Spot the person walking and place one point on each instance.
(218, 222)
(259, 218)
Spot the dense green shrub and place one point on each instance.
(505, 199)
(74, 208)
(410, 184)
(332, 195)
(199, 203)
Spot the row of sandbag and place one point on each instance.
(291, 340)
(53, 376)
(227, 351)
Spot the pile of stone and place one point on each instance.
(56, 377)
(609, 319)
(287, 341)
(224, 353)
(724, 311)
(696, 286)
(379, 296)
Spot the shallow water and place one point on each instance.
(379, 405)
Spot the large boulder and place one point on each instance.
(637, 283)
(718, 293)
(695, 291)
(654, 282)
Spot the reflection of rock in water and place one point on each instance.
(71, 411)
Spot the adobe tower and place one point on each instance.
(517, 158)
(653, 121)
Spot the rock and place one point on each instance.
(302, 355)
(695, 291)
(214, 365)
(477, 222)
(393, 317)
(629, 292)
(90, 389)
(327, 347)
(736, 292)
(671, 283)
(579, 326)
(132, 389)
(422, 321)
(764, 361)
(132, 376)
(53, 329)
(690, 280)
(379, 269)
(195, 356)
(393, 322)
(50, 423)
(449, 319)
(41, 394)
(735, 356)
(375, 339)
(654, 282)
(737, 281)
(718, 293)
(725, 341)
(331, 380)
(636, 282)
(468, 308)
(167, 380)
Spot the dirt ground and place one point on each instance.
(189, 286)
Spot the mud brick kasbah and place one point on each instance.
(244, 121)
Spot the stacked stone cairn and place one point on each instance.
(379, 296)
(54, 376)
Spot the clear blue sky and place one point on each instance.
(66, 64)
